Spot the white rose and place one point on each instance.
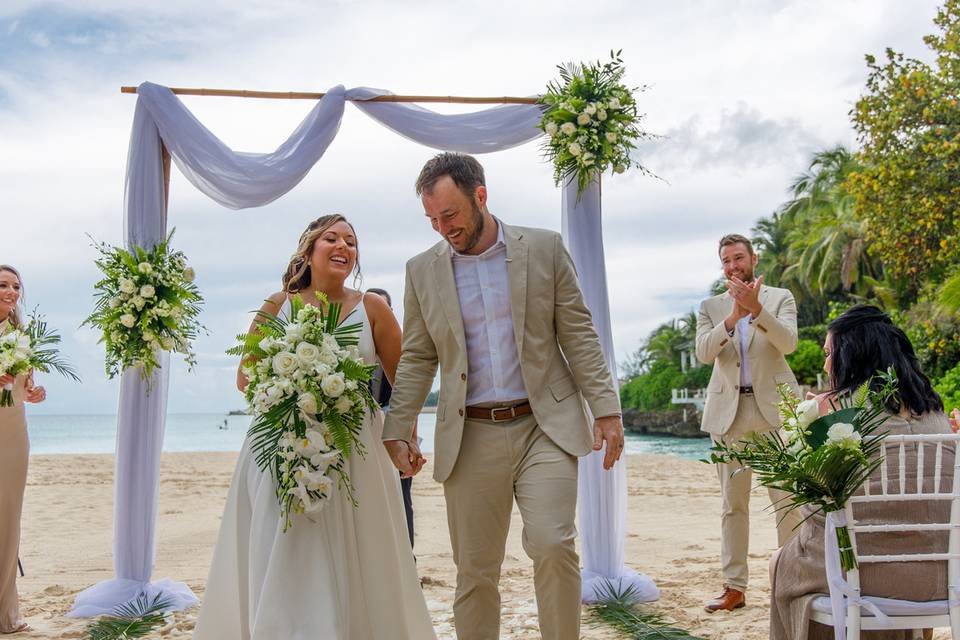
(167, 343)
(601, 115)
(128, 320)
(145, 268)
(843, 433)
(614, 103)
(611, 136)
(284, 363)
(343, 404)
(353, 352)
(267, 343)
(294, 331)
(189, 274)
(321, 370)
(619, 168)
(574, 149)
(147, 291)
(587, 158)
(127, 285)
(551, 128)
(808, 411)
(333, 385)
(114, 303)
(583, 119)
(328, 357)
(307, 353)
(307, 403)
(138, 302)
(568, 128)
(590, 109)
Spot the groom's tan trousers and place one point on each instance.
(735, 488)
(500, 462)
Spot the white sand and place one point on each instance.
(674, 536)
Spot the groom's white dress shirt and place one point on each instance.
(493, 362)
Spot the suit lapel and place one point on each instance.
(753, 325)
(517, 278)
(447, 288)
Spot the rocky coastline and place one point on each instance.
(670, 422)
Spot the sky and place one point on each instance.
(741, 93)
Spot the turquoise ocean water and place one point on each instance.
(206, 432)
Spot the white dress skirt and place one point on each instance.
(346, 573)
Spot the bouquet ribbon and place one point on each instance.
(840, 589)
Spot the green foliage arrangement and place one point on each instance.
(618, 609)
(591, 121)
(136, 619)
(308, 392)
(146, 302)
(823, 460)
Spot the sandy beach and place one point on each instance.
(673, 536)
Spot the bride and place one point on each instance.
(347, 572)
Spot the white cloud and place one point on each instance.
(745, 90)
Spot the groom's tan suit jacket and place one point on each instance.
(771, 336)
(560, 357)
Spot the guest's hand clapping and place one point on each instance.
(747, 295)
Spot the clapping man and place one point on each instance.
(745, 333)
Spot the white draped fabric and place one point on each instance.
(602, 495)
(242, 180)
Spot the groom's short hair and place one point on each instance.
(464, 170)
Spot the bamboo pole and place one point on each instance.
(304, 95)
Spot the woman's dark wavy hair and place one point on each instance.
(865, 341)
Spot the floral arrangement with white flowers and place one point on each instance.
(820, 461)
(30, 348)
(591, 122)
(147, 302)
(308, 390)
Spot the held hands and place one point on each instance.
(608, 429)
(746, 297)
(405, 456)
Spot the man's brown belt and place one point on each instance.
(499, 414)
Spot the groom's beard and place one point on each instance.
(473, 237)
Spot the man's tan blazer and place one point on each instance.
(771, 336)
(560, 356)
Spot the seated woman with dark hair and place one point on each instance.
(860, 343)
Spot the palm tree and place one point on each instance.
(828, 252)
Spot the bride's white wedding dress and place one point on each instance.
(347, 575)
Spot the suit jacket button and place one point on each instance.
(738, 364)
(463, 376)
(461, 412)
(736, 387)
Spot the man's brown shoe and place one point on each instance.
(730, 600)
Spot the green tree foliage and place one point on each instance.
(907, 187)
(949, 389)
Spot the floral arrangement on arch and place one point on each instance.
(146, 302)
(308, 390)
(591, 122)
(820, 461)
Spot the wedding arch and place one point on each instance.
(164, 129)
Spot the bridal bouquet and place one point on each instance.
(30, 347)
(308, 392)
(145, 303)
(591, 120)
(819, 461)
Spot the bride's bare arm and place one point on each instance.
(386, 333)
(271, 305)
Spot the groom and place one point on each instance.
(499, 309)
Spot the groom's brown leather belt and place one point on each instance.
(499, 414)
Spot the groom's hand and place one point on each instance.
(608, 429)
(416, 457)
(402, 457)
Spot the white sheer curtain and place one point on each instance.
(241, 180)
(602, 499)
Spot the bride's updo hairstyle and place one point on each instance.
(14, 317)
(297, 276)
(864, 342)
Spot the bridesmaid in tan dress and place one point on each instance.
(14, 453)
